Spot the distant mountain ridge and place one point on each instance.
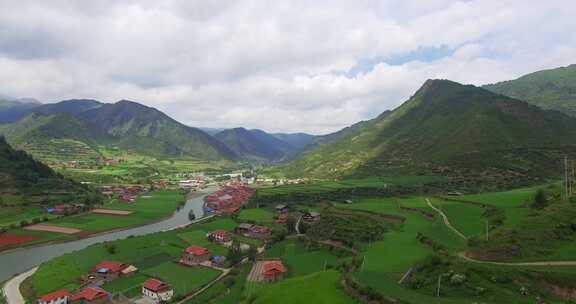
(125, 124)
(255, 145)
(553, 89)
(448, 129)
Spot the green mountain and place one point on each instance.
(59, 136)
(553, 89)
(149, 131)
(255, 145)
(21, 175)
(449, 129)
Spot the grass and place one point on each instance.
(198, 237)
(319, 287)
(183, 279)
(299, 260)
(256, 215)
(153, 254)
(14, 215)
(466, 218)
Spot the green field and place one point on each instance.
(320, 287)
(153, 254)
(183, 279)
(256, 215)
(147, 208)
(466, 218)
(300, 261)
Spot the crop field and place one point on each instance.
(299, 260)
(14, 215)
(256, 214)
(319, 287)
(327, 186)
(466, 218)
(182, 278)
(153, 254)
(145, 210)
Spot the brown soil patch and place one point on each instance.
(47, 228)
(112, 212)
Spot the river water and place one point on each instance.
(15, 262)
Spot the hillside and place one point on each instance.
(255, 145)
(21, 175)
(553, 89)
(59, 136)
(446, 128)
(149, 131)
(296, 140)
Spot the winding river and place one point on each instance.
(14, 262)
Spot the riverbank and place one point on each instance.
(147, 210)
(17, 261)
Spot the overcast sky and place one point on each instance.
(312, 66)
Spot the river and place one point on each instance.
(15, 262)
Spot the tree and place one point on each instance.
(111, 248)
(234, 253)
(291, 224)
(252, 253)
(539, 200)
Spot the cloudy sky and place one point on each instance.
(313, 66)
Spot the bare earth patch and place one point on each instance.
(111, 212)
(47, 228)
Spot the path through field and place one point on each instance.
(446, 220)
(11, 289)
(540, 263)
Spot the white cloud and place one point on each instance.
(275, 65)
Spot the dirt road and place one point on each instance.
(446, 220)
(11, 289)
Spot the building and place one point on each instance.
(90, 295)
(157, 290)
(274, 271)
(218, 260)
(195, 255)
(108, 271)
(311, 217)
(281, 209)
(218, 236)
(254, 231)
(57, 297)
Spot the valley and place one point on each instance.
(459, 195)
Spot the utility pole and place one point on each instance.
(566, 175)
(486, 230)
(438, 288)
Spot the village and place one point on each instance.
(221, 250)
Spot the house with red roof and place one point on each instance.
(219, 236)
(108, 270)
(254, 231)
(157, 290)
(57, 297)
(195, 255)
(90, 295)
(273, 271)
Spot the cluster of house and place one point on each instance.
(197, 255)
(62, 209)
(228, 200)
(90, 291)
(254, 231)
(278, 182)
(126, 194)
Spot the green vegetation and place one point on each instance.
(553, 89)
(320, 287)
(153, 254)
(480, 140)
(256, 215)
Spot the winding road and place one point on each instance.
(446, 220)
(469, 259)
(11, 289)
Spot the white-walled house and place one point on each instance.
(157, 290)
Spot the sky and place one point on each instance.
(281, 66)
